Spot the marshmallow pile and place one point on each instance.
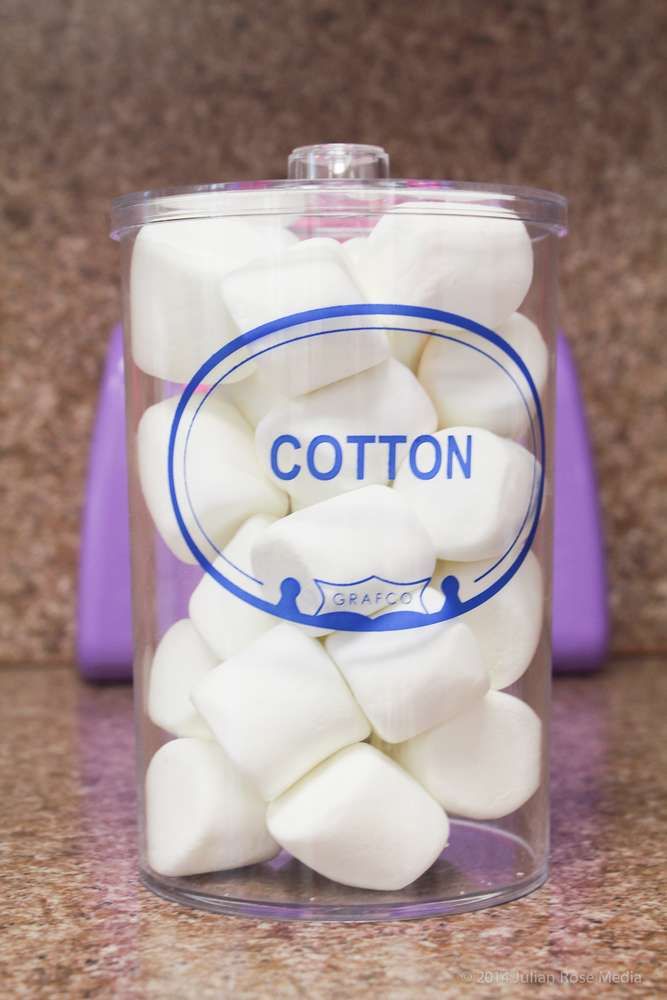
(324, 462)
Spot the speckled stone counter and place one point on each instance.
(75, 922)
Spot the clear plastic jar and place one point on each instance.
(340, 409)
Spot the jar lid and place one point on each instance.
(344, 180)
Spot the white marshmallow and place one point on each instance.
(253, 397)
(376, 741)
(227, 622)
(307, 276)
(410, 680)
(178, 316)
(484, 763)
(477, 517)
(468, 388)
(318, 245)
(405, 347)
(224, 480)
(507, 626)
(181, 659)
(480, 268)
(201, 814)
(384, 400)
(360, 820)
(367, 533)
(355, 255)
(279, 707)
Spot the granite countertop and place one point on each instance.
(77, 923)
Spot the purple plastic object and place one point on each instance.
(104, 633)
(580, 624)
(580, 618)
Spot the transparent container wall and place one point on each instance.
(340, 417)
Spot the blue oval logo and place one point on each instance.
(346, 605)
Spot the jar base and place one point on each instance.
(483, 866)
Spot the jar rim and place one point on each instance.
(332, 197)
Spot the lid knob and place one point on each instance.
(337, 160)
